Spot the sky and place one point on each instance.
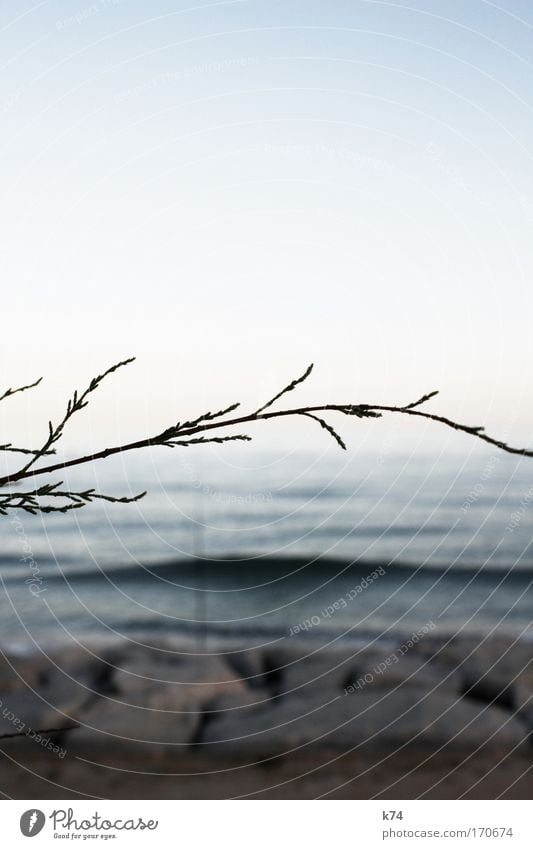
(231, 190)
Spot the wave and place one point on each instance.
(272, 568)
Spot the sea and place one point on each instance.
(235, 547)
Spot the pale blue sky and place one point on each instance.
(232, 190)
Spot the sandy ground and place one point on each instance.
(410, 775)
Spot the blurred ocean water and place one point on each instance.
(236, 547)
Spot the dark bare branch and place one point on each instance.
(9, 392)
(14, 450)
(30, 731)
(194, 432)
(286, 389)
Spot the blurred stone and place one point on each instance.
(17, 672)
(389, 670)
(158, 699)
(23, 710)
(374, 717)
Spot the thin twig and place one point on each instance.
(287, 388)
(194, 432)
(39, 731)
(9, 392)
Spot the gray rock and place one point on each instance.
(333, 670)
(374, 717)
(250, 666)
(179, 681)
(234, 700)
(77, 677)
(503, 658)
(295, 671)
(496, 670)
(18, 672)
(21, 710)
(390, 670)
(113, 725)
(160, 700)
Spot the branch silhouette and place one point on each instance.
(54, 498)
(29, 731)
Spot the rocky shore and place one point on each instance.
(428, 716)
